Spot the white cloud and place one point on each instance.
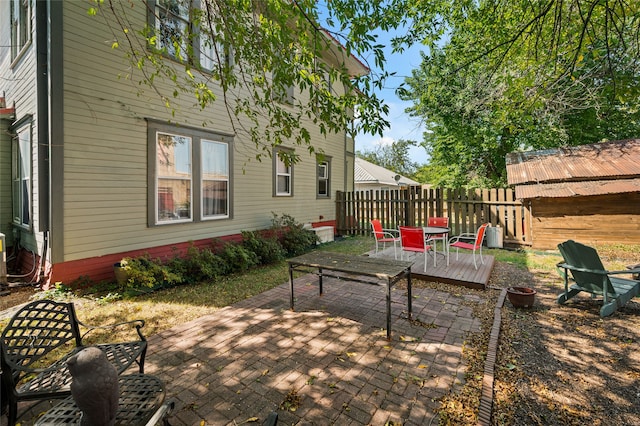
(402, 126)
(385, 141)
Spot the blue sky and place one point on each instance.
(403, 126)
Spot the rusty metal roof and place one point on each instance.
(575, 189)
(606, 160)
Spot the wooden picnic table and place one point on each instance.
(352, 268)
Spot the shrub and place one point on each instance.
(286, 237)
(293, 237)
(146, 275)
(237, 259)
(266, 247)
(198, 265)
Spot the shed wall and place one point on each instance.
(613, 218)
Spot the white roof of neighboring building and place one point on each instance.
(366, 172)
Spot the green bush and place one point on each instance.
(145, 274)
(236, 258)
(266, 247)
(293, 237)
(198, 265)
(285, 238)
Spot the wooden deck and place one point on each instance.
(459, 272)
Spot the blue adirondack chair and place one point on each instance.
(589, 274)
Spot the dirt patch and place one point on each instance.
(556, 364)
(16, 296)
(563, 364)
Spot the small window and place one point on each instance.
(172, 27)
(21, 177)
(284, 95)
(20, 26)
(283, 176)
(324, 172)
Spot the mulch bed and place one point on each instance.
(557, 364)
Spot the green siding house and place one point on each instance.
(92, 171)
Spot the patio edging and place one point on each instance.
(486, 397)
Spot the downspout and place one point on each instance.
(49, 93)
(42, 94)
(54, 183)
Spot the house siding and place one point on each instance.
(104, 187)
(19, 88)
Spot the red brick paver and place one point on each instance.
(327, 362)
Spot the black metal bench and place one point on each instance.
(37, 342)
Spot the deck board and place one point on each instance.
(459, 272)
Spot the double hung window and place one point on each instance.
(20, 25)
(185, 32)
(21, 176)
(215, 179)
(324, 171)
(173, 177)
(283, 176)
(172, 27)
(191, 175)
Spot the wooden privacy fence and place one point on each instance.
(466, 209)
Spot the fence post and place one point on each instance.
(340, 216)
(410, 209)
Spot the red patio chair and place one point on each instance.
(413, 239)
(470, 241)
(439, 222)
(384, 236)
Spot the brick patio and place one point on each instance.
(329, 362)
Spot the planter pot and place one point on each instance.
(121, 274)
(521, 297)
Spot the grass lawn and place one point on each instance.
(166, 308)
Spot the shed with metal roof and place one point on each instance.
(589, 193)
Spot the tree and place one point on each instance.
(248, 55)
(394, 157)
(256, 50)
(522, 75)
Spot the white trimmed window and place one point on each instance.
(189, 174)
(215, 179)
(21, 176)
(172, 27)
(212, 53)
(283, 176)
(179, 37)
(20, 25)
(324, 170)
(286, 95)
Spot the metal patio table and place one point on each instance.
(385, 272)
